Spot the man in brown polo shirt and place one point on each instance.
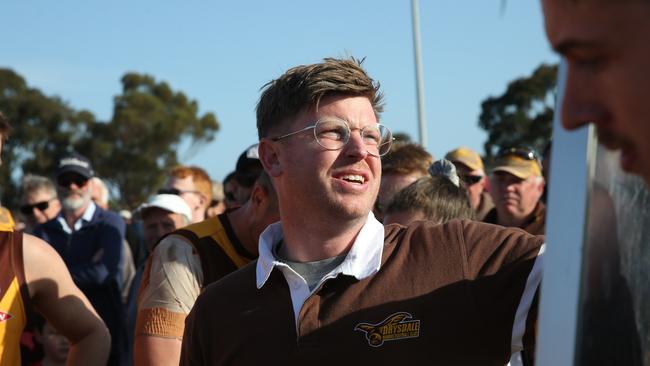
(517, 186)
(332, 285)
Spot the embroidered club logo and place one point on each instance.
(4, 316)
(395, 327)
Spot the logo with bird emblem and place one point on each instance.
(397, 326)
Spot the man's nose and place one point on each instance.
(355, 146)
(580, 102)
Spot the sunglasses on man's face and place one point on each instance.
(471, 179)
(29, 209)
(67, 179)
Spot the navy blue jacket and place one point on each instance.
(104, 231)
(101, 281)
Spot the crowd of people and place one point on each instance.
(330, 242)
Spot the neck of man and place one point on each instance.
(198, 215)
(73, 216)
(506, 219)
(308, 239)
(243, 224)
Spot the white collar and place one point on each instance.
(87, 217)
(363, 259)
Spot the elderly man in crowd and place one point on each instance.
(331, 282)
(517, 186)
(39, 201)
(91, 242)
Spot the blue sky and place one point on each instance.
(220, 53)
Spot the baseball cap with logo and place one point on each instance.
(520, 162)
(75, 163)
(168, 202)
(467, 157)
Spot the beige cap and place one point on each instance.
(518, 166)
(466, 156)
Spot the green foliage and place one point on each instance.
(523, 115)
(132, 151)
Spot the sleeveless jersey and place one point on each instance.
(14, 297)
(218, 248)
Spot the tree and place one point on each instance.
(140, 143)
(131, 151)
(44, 128)
(523, 115)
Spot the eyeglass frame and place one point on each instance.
(389, 141)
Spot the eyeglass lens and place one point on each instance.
(29, 209)
(333, 134)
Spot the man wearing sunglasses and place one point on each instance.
(40, 202)
(192, 184)
(332, 284)
(471, 171)
(91, 242)
(517, 186)
(33, 277)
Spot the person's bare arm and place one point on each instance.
(155, 351)
(56, 297)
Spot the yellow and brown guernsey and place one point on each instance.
(14, 297)
(219, 251)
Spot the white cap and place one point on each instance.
(168, 202)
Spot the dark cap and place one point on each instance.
(75, 163)
(248, 167)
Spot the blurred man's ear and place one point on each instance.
(268, 153)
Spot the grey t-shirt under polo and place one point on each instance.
(312, 272)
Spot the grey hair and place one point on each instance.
(33, 183)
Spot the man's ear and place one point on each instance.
(268, 153)
(258, 195)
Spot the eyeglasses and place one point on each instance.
(175, 191)
(333, 133)
(471, 179)
(41, 206)
(522, 152)
(66, 179)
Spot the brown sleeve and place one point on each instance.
(504, 265)
(191, 350)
